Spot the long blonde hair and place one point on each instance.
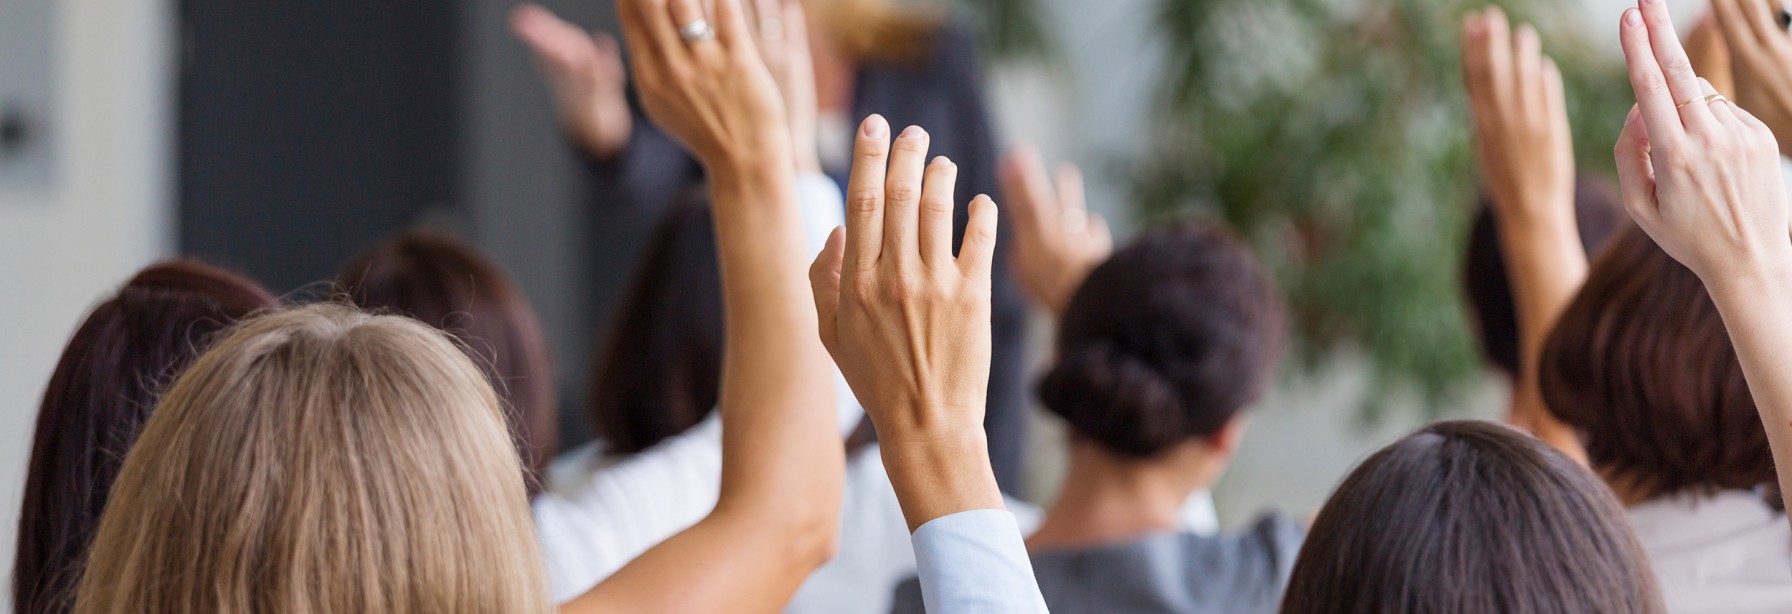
(321, 460)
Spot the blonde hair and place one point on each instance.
(321, 460)
(879, 29)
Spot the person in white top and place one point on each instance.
(1670, 370)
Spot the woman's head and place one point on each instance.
(109, 377)
(1165, 342)
(1641, 365)
(1597, 216)
(451, 286)
(1471, 517)
(660, 373)
(321, 460)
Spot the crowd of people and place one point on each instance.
(812, 397)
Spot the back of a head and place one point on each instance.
(1471, 518)
(98, 399)
(321, 460)
(1640, 364)
(449, 285)
(660, 373)
(1488, 288)
(1165, 342)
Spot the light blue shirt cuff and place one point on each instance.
(975, 561)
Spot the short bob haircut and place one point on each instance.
(1641, 365)
(321, 460)
(660, 372)
(108, 379)
(1471, 517)
(1597, 214)
(1165, 342)
(450, 285)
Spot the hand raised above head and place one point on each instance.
(1760, 54)
(586, 74)
(1524, 148)
(702, 79)
(1056, 241)
(1699, 174)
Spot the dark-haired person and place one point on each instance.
(109, 377)
(902, 60)
(448, 284)
(1639, 366)
(1473, 518)
(1161, 350)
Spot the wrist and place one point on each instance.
(940, 473)
(1766, 276)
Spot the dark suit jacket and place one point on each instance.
(941, 93)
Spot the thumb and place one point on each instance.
(824, 281)
(1636, 175)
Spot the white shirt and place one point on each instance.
(1727, 553)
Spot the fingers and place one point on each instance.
(1069, 181)
(1675, 66)
(1527, 69)
(1635, 177)
(1029, 192)
(865, 195)
(902, 194)
(1731, 20)
(1555, 96)
(1655, 104)
(1720, 109)
(560, 45)
(978, 255)
(936, 213)
(1761, 19)
(732, 29)
(824, 281)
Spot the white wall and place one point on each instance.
(107, 213)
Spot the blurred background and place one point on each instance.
(279, 139)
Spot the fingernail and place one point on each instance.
(941, 161)
(875, 126)
(1632, 18)
(911, 132)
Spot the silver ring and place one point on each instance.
(697, 31)
(771, 29)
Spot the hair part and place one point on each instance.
(1165, 342)
(105, 384)
(1471, 517)
(368, 470)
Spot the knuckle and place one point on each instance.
(864, 199)
(903, 191)
(1650, 82)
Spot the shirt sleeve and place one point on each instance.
(975, 561)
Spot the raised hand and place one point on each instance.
(1526, 158)
(783, 33)
(1523, 145)
(585, 72)
(909, 324)
(701, 78)
(1760, 55)
(1700, 174)
(1057, 241)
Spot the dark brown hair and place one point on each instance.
(660, 373)
(449, 285)
(101, 394)
(1641, 365)
(1488, 288)
(1471, 517)
(1165, 342)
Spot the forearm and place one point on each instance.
(1546, 266)
(939, 474)
(780, 444)
(1753, 311)
(726, 563)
